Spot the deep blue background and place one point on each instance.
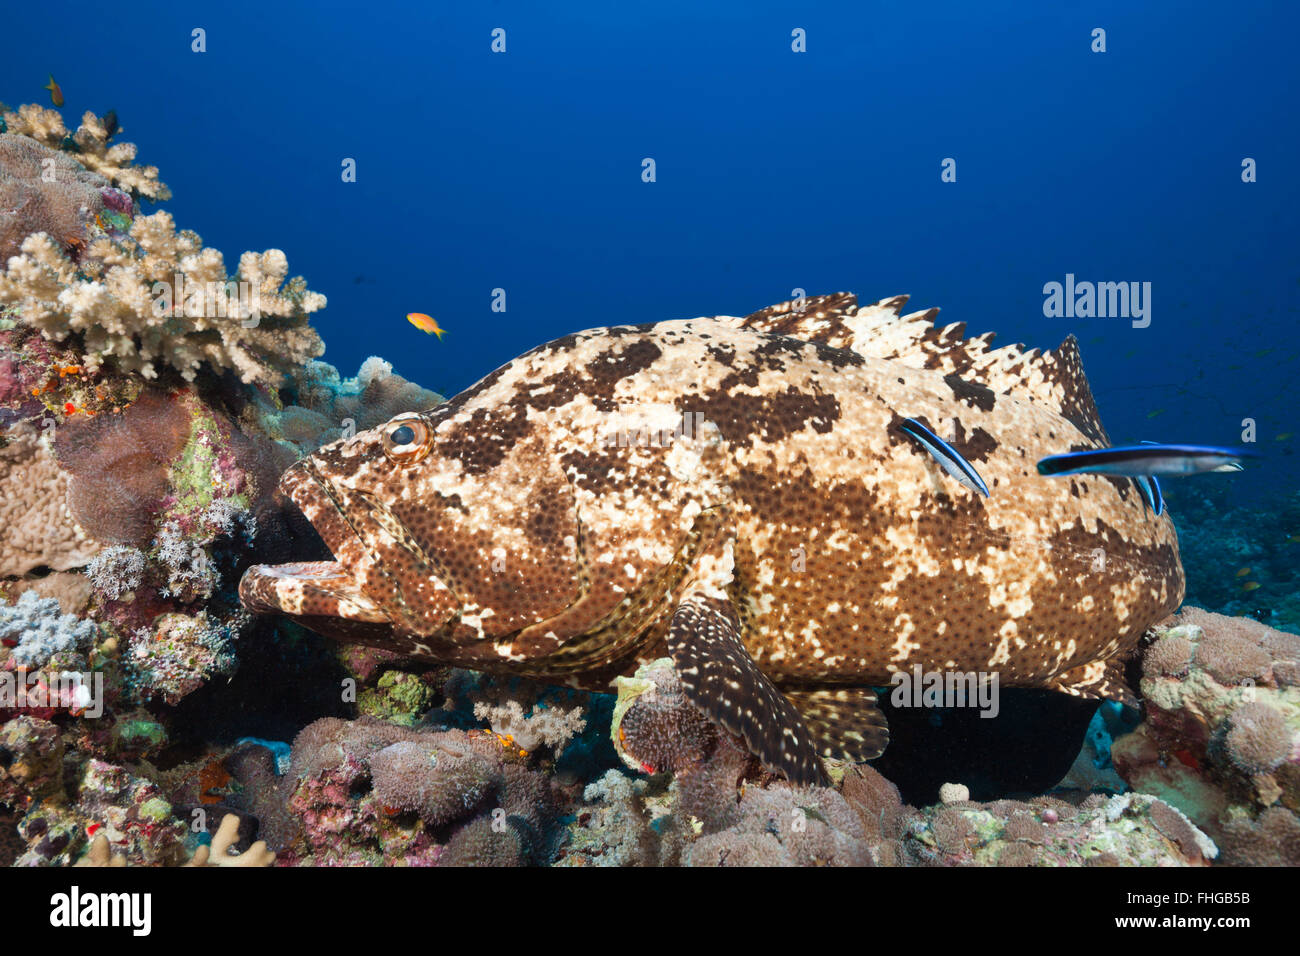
(776, 170)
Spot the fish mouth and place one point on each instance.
(314, 590)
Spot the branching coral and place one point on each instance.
(135, 291)
(90, 145)
(38, 630)
(160, 298)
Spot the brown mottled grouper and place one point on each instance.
(738, 494)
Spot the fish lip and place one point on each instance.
(307, 488)
(315, 498)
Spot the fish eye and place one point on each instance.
(406, 439)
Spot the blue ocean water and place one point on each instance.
(775, 170)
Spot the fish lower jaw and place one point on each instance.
(307, 589)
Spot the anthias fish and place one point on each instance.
(781, 503)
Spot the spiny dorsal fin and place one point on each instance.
(1055, 379)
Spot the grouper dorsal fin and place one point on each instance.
(880, 331)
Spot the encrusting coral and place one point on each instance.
(366, 792)
(39, 529)
(1221, 737)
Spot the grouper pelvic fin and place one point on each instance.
(845, 721)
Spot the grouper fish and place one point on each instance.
(737, 494)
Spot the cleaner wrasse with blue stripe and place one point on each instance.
(949, 459)
(1144, 460)
(786, 544)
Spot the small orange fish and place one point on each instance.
(56, 94)
(425, 323)
(1250, 585)
(1243, 572)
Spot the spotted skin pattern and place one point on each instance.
(736, 492)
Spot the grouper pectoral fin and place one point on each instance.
(720, 678)
(846, 722)
(718, 674)
(1097, 680)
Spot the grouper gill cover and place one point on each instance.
(736, 493)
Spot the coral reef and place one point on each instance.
(1129, 829)
(1221, 737)
(90, 144)
(35, 630)
(324, 406)
(150, 399)
(366, 792)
